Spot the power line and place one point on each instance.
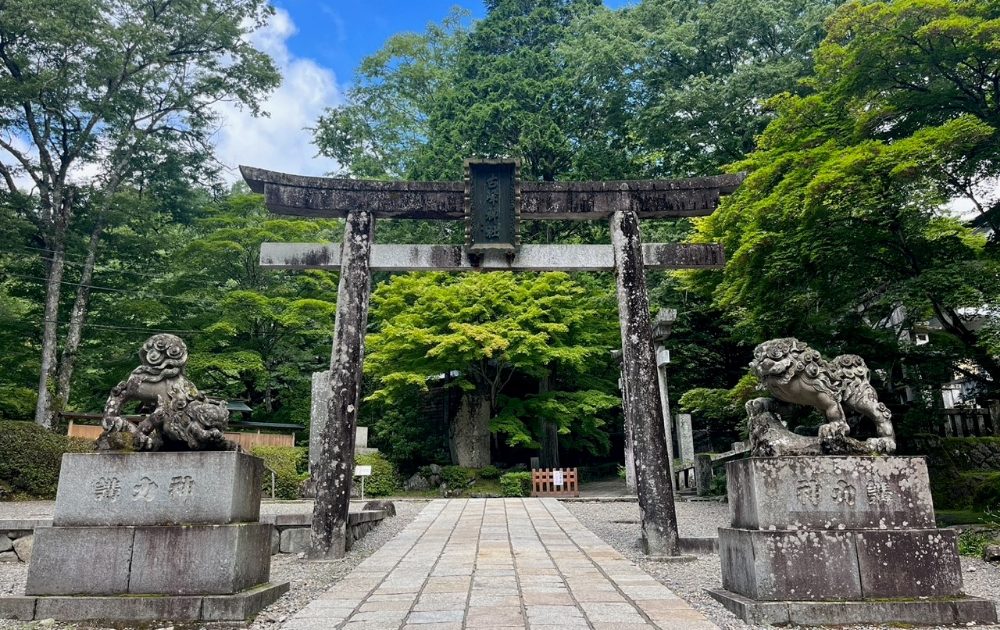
(98, 270)
(102, 288)
(136, 329)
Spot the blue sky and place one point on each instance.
(339, 33)
(317, 44)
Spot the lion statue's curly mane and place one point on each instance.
(180, 417)
(792, 372)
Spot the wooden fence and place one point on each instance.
(968, 423)
(245, 440)
(543, 482)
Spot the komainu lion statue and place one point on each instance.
(794, 373)
(183, 418)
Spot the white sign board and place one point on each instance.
(557, 477)
(362, 471)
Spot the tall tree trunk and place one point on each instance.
(77, 319)
(469, 434)
(62, 206)
(548, 456)
(43, 408)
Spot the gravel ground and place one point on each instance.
(308, 579)
(617, 524)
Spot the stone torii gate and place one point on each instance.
(492, 200)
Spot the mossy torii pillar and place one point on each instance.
(334, 469)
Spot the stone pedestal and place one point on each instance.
(838, 540)
(180, 529)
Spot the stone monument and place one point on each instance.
(144, 536)
(826, 539)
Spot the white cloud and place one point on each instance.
(281, 141)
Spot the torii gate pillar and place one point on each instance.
(643, 412)
(334, 468)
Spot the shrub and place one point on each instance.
(489, 472)
(516, 484)
(30, 458)
(973, 542)
(287, 463)
(384, 479)
(457, 476)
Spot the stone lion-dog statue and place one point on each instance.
(795, 374)
(182, 418)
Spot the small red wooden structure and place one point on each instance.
(543, 482)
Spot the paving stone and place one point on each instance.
(497, 563)
(436, 616)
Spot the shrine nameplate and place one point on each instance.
(492, 205)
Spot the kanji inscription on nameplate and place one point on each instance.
(492, 205)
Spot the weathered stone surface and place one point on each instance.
(991, 553)
(333, 197)
(643, 412)
(923, 613)
(23, 547)
(17, 607)
(795, 374)
(243, 605)
(388, 508)
(9, 556)
(319, 409)
(915, 563)
(416, 482)
(200, 559)
(704, 474)
(334, 470)
(699, 545)
(750, 610)
(183, 418)
(118, 608)
(830, 493)
(955, 611)
(6, 544)
(80, 561)
(158, 488)
(295, 540)
(455, 258)
(685, 437)
(275, 540)
(237, 607)
(789, 565)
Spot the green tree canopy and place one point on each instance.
(489, 330)
(842, 233)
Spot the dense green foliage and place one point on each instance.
(491, 330)
(288, 466)
(384, 480)
(516, 484)
(30, 459)
(841, 233)
(488, 473)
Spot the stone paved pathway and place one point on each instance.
(497, 563)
